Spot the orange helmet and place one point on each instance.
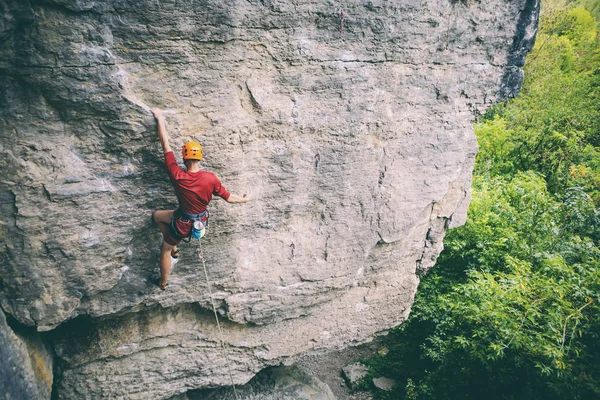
(192, 151)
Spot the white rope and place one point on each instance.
(212, 300)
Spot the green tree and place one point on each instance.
(519, 322)
(511, 311)
(554, 126)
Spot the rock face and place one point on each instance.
(354, 372)
(280, 383)
(25, 364)
(348, 124)
(384, 384)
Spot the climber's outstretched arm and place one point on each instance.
(235, 199)
(162, 129)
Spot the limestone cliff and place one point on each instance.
(347, 123)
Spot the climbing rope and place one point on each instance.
(212, 300)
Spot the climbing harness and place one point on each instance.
(196, 230)
(212, 300)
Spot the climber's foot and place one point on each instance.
(155, 279)
(175, 253)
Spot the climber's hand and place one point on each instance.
(235, 199)
(158, 114)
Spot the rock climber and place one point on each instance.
(194, 189)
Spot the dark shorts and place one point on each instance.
(183, 227)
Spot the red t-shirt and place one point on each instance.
(194, 190)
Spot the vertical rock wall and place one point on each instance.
(25, 364)
(348, 124)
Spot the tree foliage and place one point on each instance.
(554, 126)
(511, 311)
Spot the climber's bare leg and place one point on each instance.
(165, 263)
(163, 219)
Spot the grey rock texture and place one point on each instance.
(25, 364)
(523, 42)
(279, 383)
(328, 367)
(384, 383)
(354, 372)
(384, 92)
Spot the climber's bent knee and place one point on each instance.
(163, 216)
(163, 219)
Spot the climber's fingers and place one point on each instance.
(157, 112)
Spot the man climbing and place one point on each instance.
(194, 189)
